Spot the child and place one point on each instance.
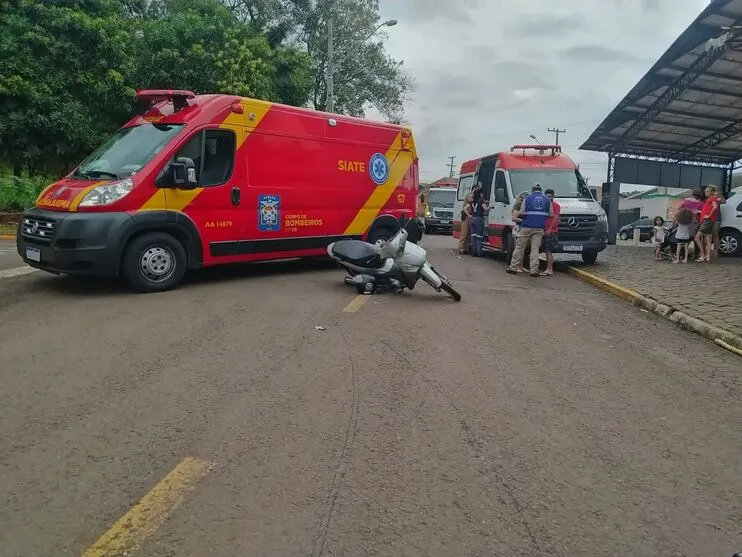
(658, 235)
(684, 218)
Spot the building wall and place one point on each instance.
(653, 207)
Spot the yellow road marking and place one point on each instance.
(144, 518)
(356, 303)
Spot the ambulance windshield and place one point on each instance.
(441, 198)
(127, 151)
(565, 183)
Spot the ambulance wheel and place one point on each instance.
(589, 256)
(154, 262)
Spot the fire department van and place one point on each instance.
(583, 225)
(195, 181)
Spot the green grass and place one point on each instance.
(19, 193)
(9, 229)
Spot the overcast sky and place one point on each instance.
(491, 72)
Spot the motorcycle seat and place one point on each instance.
(358, 253)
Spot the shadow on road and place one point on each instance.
(104, 286)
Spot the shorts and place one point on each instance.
(706, 227)
(682, 241)
(549, 243)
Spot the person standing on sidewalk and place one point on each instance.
(551, 231)
(480, 208)
(466, 214)
(717, 221)
(707, 219)
(536, 209)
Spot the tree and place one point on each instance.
(71, 68)
(364, 73)
(64, 83)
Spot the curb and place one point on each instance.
(722, 337)
(7, 236)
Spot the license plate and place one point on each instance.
(445, 222)
(34, 254)
(572, 247)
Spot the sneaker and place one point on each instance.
(511, 271)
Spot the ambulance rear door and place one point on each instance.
(466, 182)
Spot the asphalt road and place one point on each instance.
(9, 258)
(536, 417)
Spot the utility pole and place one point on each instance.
(330, 66)
(556, 131)
(450, 166)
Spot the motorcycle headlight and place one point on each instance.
(107, 193)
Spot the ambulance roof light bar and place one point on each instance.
(555, 149)
(179, 97)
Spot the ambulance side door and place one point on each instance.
(216, 205)
(485, 175)
(500, 207)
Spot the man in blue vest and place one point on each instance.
(535, 210)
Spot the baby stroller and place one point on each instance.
(669, 244)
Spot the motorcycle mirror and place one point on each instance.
(403, 219)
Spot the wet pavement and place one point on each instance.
(256, 417)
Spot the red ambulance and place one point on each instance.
(195, 181)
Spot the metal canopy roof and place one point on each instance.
(688, 107)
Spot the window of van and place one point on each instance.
(127, 151)
(212, 152)
(565, 183)
(465, 185)
(441, 198)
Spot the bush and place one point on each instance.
(18, 194)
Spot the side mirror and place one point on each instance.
(501, 196)
(184, 173)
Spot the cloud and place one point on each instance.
(546, 25)
(491, 72)
(599, 54)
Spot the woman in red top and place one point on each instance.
(708, 217)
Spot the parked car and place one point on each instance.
(644, 225)
(730, 235)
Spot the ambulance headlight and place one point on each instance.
(107, 193)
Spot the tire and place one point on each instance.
(447, 287)
(381, 233)
(590, 257)
(730, 242)
(154, 262)
(624, 236)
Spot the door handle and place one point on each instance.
(235, 196)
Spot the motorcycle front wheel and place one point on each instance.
(447, 287)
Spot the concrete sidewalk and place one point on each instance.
(711, 292)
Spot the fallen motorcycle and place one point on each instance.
(389, 266)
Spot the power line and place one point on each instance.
(556, 131)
